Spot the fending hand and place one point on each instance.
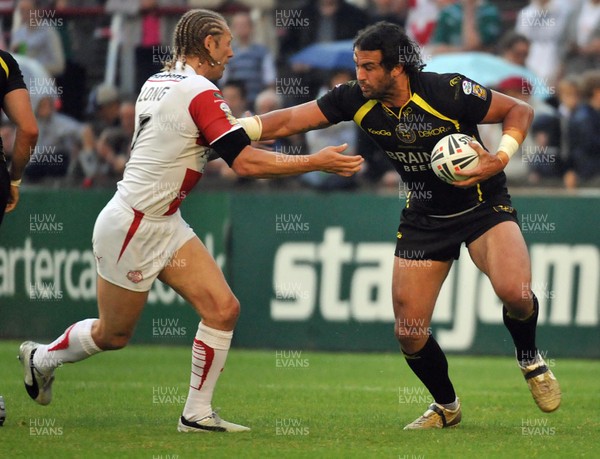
(333, 161)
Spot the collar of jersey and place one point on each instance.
(183, 70)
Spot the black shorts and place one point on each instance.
(422, 237)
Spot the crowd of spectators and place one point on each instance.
(86, 123)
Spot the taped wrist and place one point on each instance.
(508, 145)
(252, 125)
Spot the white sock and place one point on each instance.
(451, 406)
(208, 359)
(75, 344)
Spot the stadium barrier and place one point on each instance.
(312, 271)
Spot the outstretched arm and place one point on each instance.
(257, 163)
(248, 161)
(285, 122)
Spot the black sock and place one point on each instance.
(431, 367)
(523, 333)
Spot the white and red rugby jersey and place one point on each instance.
(179, 114)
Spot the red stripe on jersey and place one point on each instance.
(189, 182)
(209, 354)
(135, 224)
(423, 34)
(64, 343)
(212, 115)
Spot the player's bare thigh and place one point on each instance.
(416, 285)
(501, 253)
(194, 274)
(118, 311)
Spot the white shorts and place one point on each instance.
(131, 248)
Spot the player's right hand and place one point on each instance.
(331, 159)
(13, 199)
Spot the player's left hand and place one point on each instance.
(489, 165)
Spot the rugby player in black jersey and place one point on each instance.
(14, 100)
(406, 111)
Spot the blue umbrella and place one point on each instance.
(487, 69)
(330, 55)
(38, 81)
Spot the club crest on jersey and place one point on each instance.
(405, 135)
(228, 114)
(135, 276)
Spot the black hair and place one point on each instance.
(395, 46)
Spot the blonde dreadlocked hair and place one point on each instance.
(190, 32)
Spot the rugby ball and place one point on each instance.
(453, 154)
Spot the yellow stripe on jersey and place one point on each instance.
(4, 66)
(479, 193)
(408, 199)
(362, 111)
(417, 99)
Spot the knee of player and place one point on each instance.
(228, 311)
(411, 337)
(513, 293)
(232, 308)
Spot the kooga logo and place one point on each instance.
(380, 132)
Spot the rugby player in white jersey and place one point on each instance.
(181, 118)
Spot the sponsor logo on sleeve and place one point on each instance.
(503, 208)
(232, 120)
(454, 81)
(467, 87)
(480, 91)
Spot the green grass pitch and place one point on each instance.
(125, 404)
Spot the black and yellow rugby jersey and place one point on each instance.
(10, 75)
(10, 78)
(439, 104)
